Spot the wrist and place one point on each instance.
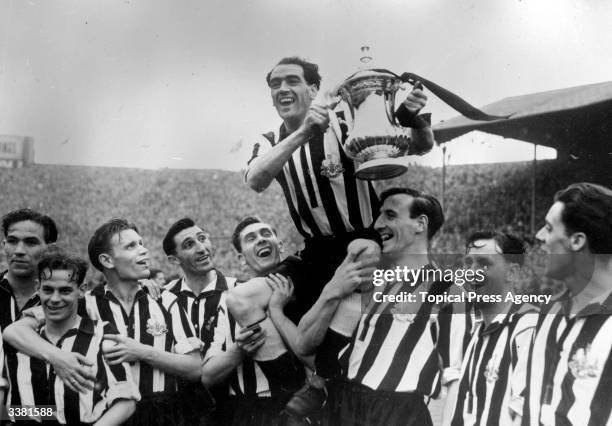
(331, 293)
(50, 354)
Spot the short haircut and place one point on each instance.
(249, 220)
(510, 245)
(587, 208)
(21, 215)
(311, 71)
(422, 204)
(57, 259)
(168, 244)
(100, 242)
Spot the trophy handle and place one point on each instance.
(390, 107)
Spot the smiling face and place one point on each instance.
(261, 248)
(485, 255)
(128, 256)
(23, 246)
(194, 251)
(291, 94)
(397, 229)
(59, 296)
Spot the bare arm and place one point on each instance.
(218, 365)
(314, 324)
(71, 367)
(118, 413)
(283, 290)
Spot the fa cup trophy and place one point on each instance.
(375, 137)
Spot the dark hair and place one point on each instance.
(311, 71)
(422, 204)
(510, 245)
(49, 228)
(168, 244)
(249, 220)
(587, 208)
(100, 241)
(56, 259)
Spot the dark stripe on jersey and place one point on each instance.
(71, 398)
(374, 202)
(42, 392)
(404, 350)
(501, 384)
(307, 180)
(481, 380)
(280, 177)
(302, 206)
(211, 318)
(249, 376)
(589, 330)
(428, 374)
(146, 370)
(350, 185)
(328, 199)
(383, 325)
(552, 351)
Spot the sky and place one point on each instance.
(181, 84)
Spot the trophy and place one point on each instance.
(378, 141)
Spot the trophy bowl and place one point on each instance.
(375, 141)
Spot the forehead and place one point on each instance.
(186, 233)
(554, 213)
(59, 277)
(398, 203)
(286, 70)
(484, 247)
(27, 228)
(124, 237)
(255, 228)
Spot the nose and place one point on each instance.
(284, 87)
(379, 224)
(539, 236)
(55, 297)
(20, 248)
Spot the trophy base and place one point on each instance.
(381, 168)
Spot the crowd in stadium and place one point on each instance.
(298, 337)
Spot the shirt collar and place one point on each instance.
(600, 306)
(104, 291)
(218, 284)
(86, 325)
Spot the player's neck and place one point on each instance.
(293, 123)
(595, 289)
(22, 286)
(124, 290)
(56, 329)
(198, 282)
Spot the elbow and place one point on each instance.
(9, 335)
(422, 141)
(303, 347)
(255, 184)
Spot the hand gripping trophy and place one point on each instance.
(375, 137)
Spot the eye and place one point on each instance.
(187, 245)
(202, 238)
(274, 84)
(294, 81)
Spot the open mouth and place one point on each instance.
(386, 235)
(143, 262)
(286, 100)
(264, 251)
(55, 308)
(203, 259)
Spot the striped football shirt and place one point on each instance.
(152, 322)
(494, 369)
(569, 377)
(319, 184)
(38, 384)
(398, 350)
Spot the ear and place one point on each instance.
(241, 259)
(281, 246)
(83, 289)
(106, 260)
(312, 91)
(422, 223)
(513, 274)
(578, 241)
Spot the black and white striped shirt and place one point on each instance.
(323, 196)
(494, 369)
(152, 322)
(570, 366)
(38, 384)
(202, 310)
(416, 351)
(9, 313)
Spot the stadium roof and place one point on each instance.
(559, 118)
